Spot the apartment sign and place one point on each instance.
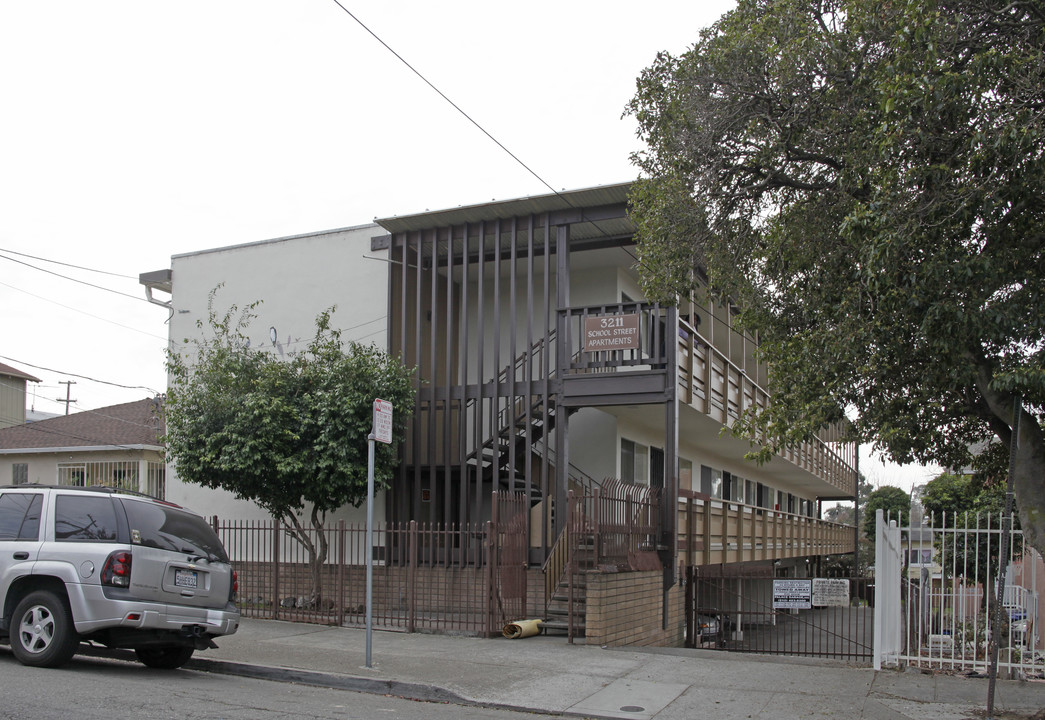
(611, 332)
(792, 594)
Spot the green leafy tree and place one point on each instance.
(893, 500)
(949, 495)
(289, 435)
(967, 501)
(864, 180)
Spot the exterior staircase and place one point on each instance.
(561, 613)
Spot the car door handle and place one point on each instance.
(21, 556)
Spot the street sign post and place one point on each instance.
(381, 431)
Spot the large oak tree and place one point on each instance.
(865, 180)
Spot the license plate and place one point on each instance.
(185, 578)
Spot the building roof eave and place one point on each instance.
(603, 195)
(79, 449)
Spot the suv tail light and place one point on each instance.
(234, 586)
(117, 569)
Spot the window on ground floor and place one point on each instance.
(119, 474)
(19, 473)
(711, 481)
(634, 462)
(72, 474)
(686, 475)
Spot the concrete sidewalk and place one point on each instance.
(547, 675)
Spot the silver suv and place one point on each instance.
(108, 567)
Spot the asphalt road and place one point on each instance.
(102, 689)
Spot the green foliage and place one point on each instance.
(289, 435)
(284, 434)
(893, 500)
(947, 495)
(863, 180)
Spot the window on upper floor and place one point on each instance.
(921, 556)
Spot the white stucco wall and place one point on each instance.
(294, 279)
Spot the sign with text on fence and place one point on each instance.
(611, 332)
(830, 592)
(382, 421)
(792, 594)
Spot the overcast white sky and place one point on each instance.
(134, 130)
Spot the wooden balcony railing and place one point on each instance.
(708, 380)
(717, 531)
(711, 383)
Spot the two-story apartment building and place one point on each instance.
(541, 369)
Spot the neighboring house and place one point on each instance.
(541, 369)
(12, 395)
(920, 552)
(117, 446)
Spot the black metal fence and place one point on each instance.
(737, 613)
(460, 578)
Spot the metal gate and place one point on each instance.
(736, 613)
(939, 581)
(509, 544)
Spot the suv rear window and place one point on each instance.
(169, 528)
(79, 518)
(20, 516)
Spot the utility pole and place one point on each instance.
(68, 388)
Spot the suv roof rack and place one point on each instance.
(90, 488)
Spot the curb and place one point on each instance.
(411, 691)
(395, 688)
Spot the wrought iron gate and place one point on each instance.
(736, 613)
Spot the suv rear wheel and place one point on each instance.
(164, 657)
(42, 632)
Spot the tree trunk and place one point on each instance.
(1029, 466)
(1029, 482)
(317, 551)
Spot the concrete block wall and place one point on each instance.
(627, 609)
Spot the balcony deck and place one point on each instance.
(714, 531)
(708, 381)
(718, 388)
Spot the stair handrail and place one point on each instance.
(556, 562)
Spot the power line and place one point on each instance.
(82, 312)
(444, 97)
(483, 130)
(66, 277)
(59, 262)
(82, 377)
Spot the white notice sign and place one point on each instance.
(382, 421)
(792, 594)
(830, 592)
